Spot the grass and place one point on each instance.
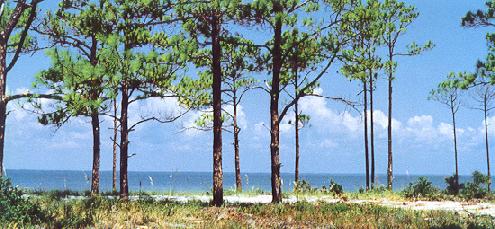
(102, 212)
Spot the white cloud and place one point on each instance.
(189, 125)
(161, 108)
(323, 116)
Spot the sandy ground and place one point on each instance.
(461, 207)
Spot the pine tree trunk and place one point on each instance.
(296, 124)
(455, 141)
(95, 123)
(274, 113)
(124, 142)
(389, 128)
(217, 113)
(372, 133)
(366, 153)
(238, 178)
(95, 175)
(3, 119)
(3, 101)
(114, 164)
(487, 148)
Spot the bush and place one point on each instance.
(335, 188)
(14, 208)
(476, 189)
(379, 189)
(421, 188)
(60, 194)
(303, 186)
(453, 188)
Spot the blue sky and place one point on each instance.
(332, 143)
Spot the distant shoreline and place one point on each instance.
(248, 172)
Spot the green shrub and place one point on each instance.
(15, 208)
(335, 188)
(303, 186)
(421, 188)
(144, 197)
(379, 189)
(453, 188)
(60, 194)
(476, 189)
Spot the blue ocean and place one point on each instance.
(174, 182)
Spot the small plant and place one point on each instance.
(421, 188)
(453, 188)
(476, 189)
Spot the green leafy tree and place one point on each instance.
(449, 94)
(398, 16)
(361, 63)
(482, 93)
(239, 60)
(78, 30)
(205, 22)
(280, 19)
(483, 96)
(301, 59)
(147, 60)
(16, 18)
(484, 81)
(237, 63)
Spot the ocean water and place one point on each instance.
(194, 181)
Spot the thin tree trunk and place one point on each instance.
(114, 164)
(217, 113)
(3, 119)
(3, 101)
(487, 146)
(124, 132)
(366, 153)
(95, 123)
(389, 128)
(238, 178)
(95, 178)
(455, 141)
(296, 124)
(372, 132)
(274, 113)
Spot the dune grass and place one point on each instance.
(102, 212)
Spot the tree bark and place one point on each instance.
(389, 128)
(452, 109)
(238, 178)
(3, 100)
(274, 112)
(217, 112)
(95, 122)
(114, 164)
(366, 152)
(487, 148)
(372, 132)
(124, 132)
(95, 178)
(296, 110)
(296, 122)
